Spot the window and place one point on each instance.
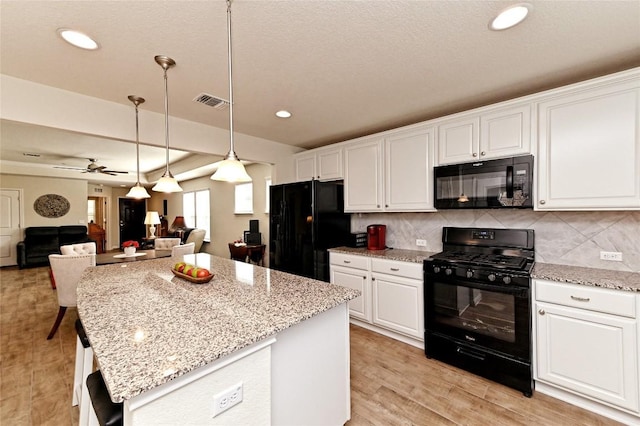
(267, 197)
(196, 211)
(244, 198)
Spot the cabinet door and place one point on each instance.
(506, 132)
(329, 164)
(363, 176)
(589, 150)
(409, 170)
(357, 279)
(305, 167)
(458, 140)
(397, 304)
(589, 353)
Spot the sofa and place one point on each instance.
(41, 241)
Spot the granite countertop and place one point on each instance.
(147, 326)
(605, 278)
(401, 255)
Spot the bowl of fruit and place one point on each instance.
(191, 273)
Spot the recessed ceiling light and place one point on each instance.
(78, 39)
(510, 16)
(283, 114)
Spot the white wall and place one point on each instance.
(73, 190)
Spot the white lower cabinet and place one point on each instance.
(587, 342)
(397, 296)
(392, 294)
(353, 272)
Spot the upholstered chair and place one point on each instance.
(196, 236)
(166, 243)
(67, 270)
(80, 248)
(180, 251)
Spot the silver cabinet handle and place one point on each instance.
(395, 269)
(346, 261)
(475, 154)
(483, 153)
(541, 312)
(542, 201)
(580, 299)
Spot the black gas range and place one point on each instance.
(478, 303)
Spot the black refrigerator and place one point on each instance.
(306, 219)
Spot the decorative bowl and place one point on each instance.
(195, 280)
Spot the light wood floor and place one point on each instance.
(391, 383)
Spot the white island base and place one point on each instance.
(299, 376)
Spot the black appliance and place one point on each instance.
(306, 219)
(485, 184)
(477, 302)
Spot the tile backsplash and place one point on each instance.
(566, 238)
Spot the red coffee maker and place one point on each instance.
(376, 237)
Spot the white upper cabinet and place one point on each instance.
(393, 172)
(408, 177)
(589, 147)
(320, 164)
(363, 176)
(486, 134)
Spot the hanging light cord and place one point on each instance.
(166, 120)
(137, 147)
(232, 153)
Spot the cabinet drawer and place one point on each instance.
(349, 260)
(400, 269)
(591, 298)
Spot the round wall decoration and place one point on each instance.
(51, 205)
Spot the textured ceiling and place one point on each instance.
(343, 68)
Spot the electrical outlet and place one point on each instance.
(226, 399)
(421, 243)
(611, 255)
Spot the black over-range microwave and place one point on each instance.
(504, 183)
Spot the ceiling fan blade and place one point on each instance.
(112, 172)
(69, 168)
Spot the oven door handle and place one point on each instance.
(505, 289)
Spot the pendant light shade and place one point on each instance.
(230, 169)
(137, 191)
(167, 182)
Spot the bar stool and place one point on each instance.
(103, 411)
(84, 366)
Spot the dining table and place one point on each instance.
(139, 255)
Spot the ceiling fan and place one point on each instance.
(93, 167)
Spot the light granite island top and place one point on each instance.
(148, 327)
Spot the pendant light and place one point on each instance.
(167, 182)
(230, 169)
(138, 191)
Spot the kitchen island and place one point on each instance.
(168, 348)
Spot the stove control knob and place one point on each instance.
(448, 271)
(506, 279)
(470, 273)
(491, 277)
(436, 269)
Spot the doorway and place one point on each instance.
(10, 234)
(131, 217)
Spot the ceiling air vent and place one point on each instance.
(212, 101)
